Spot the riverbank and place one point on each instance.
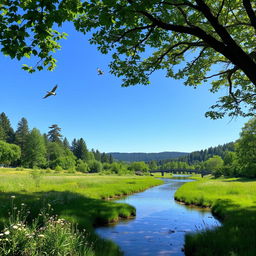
(75, 197)
(234, 202)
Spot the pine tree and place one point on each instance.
(66, 143)
(73, 146)
(97, 155)
(2, 134)
(80, 150)
(104, 158)
(111, 160)
(7, 132)
(22, 133)
(54, 134)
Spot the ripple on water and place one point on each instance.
(160, 225)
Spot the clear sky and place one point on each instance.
(164, 116)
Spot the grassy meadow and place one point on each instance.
(234, 202)
(75, 197)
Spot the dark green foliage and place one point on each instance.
(21, 136)
(203, 155)
(47, 150)
(146, 157)
(66, 143)
(54, 134)
(80, 150)
(97, 155)
(22, 133)
(6, 131)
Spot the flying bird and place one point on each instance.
(100, 72)
(52, 92)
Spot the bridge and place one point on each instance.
(183, 171)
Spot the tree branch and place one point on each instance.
(143, 39)
(197, 58)
(185, 3)
(221, 7)
(250, 12)
(132, 30)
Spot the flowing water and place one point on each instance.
(160, 224)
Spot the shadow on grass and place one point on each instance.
(85, 212)
(239, 180)
(237, 236)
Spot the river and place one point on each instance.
(160, 224)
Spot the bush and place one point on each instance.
(58, 168)
(82, 166)
(95, 166)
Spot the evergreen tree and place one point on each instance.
(22, 133)
(6, 132)
(80, 150)
(73, 146)
(111, 160)
(35, 150)
(97, 155)
(66, 143)
(54, 134)
(2, 134)
(104, 158)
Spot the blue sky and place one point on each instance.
(164, 116)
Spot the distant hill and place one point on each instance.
(146, 157)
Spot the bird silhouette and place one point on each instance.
(52, 92)
(100, 72)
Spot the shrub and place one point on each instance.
(58, 168)
(82, 166)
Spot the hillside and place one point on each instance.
(146, 157)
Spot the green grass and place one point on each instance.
(75, 197)
(234, 202)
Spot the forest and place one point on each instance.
(25, 148)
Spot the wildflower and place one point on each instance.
(15, 227)
(7, 232)
(22, 204)
(1, 234)
(41, 235)
(13, 197)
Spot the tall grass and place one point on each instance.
(75, 197)
(46, 235)
(234, 202)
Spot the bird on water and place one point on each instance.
(52, 92)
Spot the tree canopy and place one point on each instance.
(246, 149)
(208, 40)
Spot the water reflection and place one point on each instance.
(160, 223)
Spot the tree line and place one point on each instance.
(32, 149)
(231, 159)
